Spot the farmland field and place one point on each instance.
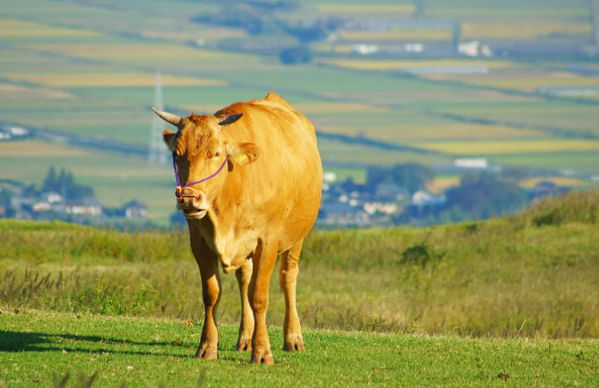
(84, 69)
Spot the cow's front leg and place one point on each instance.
(246, 326)
(211, 288)
(288, 271)
(264, 262)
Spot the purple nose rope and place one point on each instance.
(179, 189)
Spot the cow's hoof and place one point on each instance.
(206, 353)
(294, 344)
(263, 358)
(244, 343)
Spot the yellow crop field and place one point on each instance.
(512, 147)
(332, 108)
(394, 65)
(441, 184)
(415, 34)
(366, 8)
(559, 181)
(192, 34)
(11, 91)
(99, 80)
(306, 108)
(415, 131)
(530, 29)
(523, 80)
(148, 54)
(37, 149)
(14, 28)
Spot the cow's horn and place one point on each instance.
(168, 117)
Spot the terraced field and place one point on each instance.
(84, 69)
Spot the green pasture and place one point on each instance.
(524, 10)
(531, 275)
(46, 348)
(587, 162)
(560, 118)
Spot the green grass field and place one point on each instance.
(44, 348)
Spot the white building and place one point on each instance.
(473, 163)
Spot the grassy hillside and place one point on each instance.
(45, 348)
(532, 275)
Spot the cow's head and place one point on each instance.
(201, 146)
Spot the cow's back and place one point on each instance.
(283, 186)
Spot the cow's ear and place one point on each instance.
(242, 153)
(170, 139)
(230, 119)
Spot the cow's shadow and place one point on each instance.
(20, 341)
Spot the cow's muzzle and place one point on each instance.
(192, 202)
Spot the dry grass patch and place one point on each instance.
(530, 29)
(142, 53)
(441, 184)
(105, 80)
(557, 180)
(397, 34)
(14, 28)
(37, 149)
(25, 93)
(525, 80)
(392, 65)
(192, 33)
(429, 130)
(332, 108)
(368, 8)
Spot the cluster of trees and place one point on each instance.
(64, 184)
(411, 176)
(296, 55)
(5, 203)
(266, 18)
(479, 196)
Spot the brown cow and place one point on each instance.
(250, 182)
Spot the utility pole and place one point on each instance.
(156, 148)
(595, 20)
(419, 9)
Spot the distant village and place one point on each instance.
(61, 198)
(394, 195)
(400, 195)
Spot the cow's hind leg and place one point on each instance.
(211, 289)
(264, 262)
(288, 271)
(246, 326)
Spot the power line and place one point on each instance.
(156, 149)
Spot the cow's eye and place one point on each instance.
(216, 155)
